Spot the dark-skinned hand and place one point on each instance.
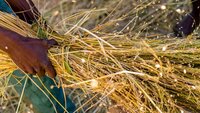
(29, 54)
(187, 25)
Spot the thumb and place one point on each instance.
(50, 43)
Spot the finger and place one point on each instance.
(47, 43)
(50, 43)
(50, 70)
(22, 68)
(40, 71)
(30, 70)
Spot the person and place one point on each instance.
(190, 22)
(30, 55)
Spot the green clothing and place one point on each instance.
(41, 100)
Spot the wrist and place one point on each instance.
(9, 41)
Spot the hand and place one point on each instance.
(30, 55)
(187, 25)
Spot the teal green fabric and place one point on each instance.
(32, 94)
(5, 7)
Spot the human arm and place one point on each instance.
(25, 9)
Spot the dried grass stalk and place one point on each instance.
(138, 75)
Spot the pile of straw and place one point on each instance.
(133, 75)
(122, 71)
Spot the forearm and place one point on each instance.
(25, 9)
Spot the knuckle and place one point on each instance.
(44, 41)
(45, 63)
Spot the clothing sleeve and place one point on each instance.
(4, 7)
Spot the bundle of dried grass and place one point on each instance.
(136, 75)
